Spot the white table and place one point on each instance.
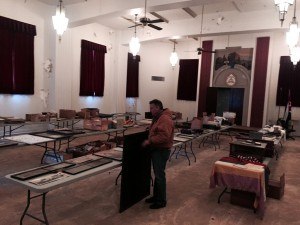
(45, 188)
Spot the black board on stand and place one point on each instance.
(136, 170)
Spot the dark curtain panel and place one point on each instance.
(6, 69)
(132, 84)
(86, 73)
(288, 80)
(16, 57)
(23, 76)
(92, 69)
(99, 60)
(259, 82)
(204, 76)
(15, 26)
(187, 80)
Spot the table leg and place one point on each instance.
(219, 198)
(29, 197)
(46, 149)
(186, 154)
(172, 153)
(192, 150)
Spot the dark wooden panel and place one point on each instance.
(136, 171)
(204, 76)
(219, 100)
(236, 103)
(259, 83)
(211, 100)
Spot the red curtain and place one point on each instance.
(187, 79)
(132, 84)
(288, 80)
(259, 82)
(204, 76)
(16, 57)
(92, 69)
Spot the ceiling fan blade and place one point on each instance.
(199, 50)
(208, 51)
(128, 19)
(154, 27)
(136, 25)
(155, 21)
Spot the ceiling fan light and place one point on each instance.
(134, 46)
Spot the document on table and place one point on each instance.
(48, 178)
(118, 149)
(29, 139)
(182, 139)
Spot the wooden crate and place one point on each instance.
(276, 188)
(242, 198)
(67, 113)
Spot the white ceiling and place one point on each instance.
(171, 10)
(118, 14)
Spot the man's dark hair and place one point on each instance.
(157, 103)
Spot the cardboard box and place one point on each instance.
(90, 112)
(37, 117)
(67, 113)
(276, 188)
(90, 148)
(242, 198)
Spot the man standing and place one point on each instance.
(160, 141)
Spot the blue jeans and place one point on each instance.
(159, 158)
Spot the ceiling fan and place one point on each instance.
(145, 21)
(200, 50)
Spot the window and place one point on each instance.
(16, 57)
(187, 80)
(132, 85)
(92, 69)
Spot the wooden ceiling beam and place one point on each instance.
(159, 17)
(190, 12)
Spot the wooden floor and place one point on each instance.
(190, 201)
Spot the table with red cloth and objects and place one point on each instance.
(242, 176)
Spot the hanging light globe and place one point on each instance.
(295, 54)
(173, 59)
(60, 22)
(134, 46)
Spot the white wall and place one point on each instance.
(67, 72)
(155, 62)
(63, 82)
(32, 13)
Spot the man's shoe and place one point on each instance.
(150, 200)
(158, 205)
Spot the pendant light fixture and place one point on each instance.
(295, 55)
(134, 44)
(283, 6)
(292, 36)
(60, 22)
(174, 56)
